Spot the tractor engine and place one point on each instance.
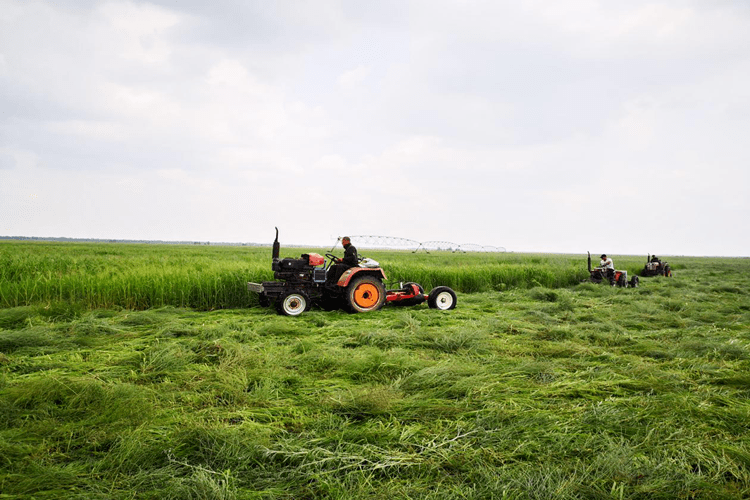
(302, 270)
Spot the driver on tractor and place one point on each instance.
(608, 267)
(350, 260)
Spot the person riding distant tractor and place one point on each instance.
(656, 267)
(606, 271)
(608, 267)
(350, 259)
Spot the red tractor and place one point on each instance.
(613, 276)
(302, 282)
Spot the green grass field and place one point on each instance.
(145, 371)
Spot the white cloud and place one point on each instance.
(137, 30)
(90, 130)
(499, 123)
(354, 77)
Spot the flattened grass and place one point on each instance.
(540, 391)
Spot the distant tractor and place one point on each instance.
(612, 276)
(302, 282)
(656, 267)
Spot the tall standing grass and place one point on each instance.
(142, 276)
(128, 276)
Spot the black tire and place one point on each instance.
(634, 281)
(442, 297)
(622, 281)
(292, 303)
(667, 271)
(365, 294)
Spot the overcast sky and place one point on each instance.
(538, 126)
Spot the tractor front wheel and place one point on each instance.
(292, 303)
(365, 294)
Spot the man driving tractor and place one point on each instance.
(350, 259)
(608, 267)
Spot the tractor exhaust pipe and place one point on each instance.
(589, 260)
(276, 246)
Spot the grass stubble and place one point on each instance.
(537, 388)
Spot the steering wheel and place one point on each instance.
(332, 257)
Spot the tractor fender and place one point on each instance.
(350, 273)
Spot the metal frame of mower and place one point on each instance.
(616, 278)
(302, 282)
(656, 267)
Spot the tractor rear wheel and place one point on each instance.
(292, 303)
(365, 294)
(622, 281)
(442, 297)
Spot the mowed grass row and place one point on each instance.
(140, 276)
